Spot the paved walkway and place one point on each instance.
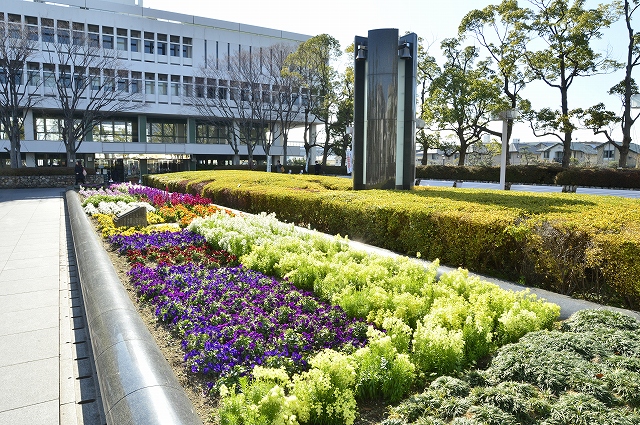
(46, 368)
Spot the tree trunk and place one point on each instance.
(71, 153)
(463, 156)
(566, 151)
(15, 156)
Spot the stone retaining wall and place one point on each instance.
(21, 182)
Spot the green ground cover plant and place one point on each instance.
(567, 243)
(587, 371)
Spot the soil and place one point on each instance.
(369, 413)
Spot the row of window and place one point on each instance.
(161, 84)
(126, 131)
(50, 31)
(77, 33)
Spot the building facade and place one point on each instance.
(161, 53)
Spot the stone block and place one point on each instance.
(136, 217)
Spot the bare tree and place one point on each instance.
(285, 86)
(236, 92)
(91, 85)
(18, 95)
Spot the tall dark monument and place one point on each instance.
(384, 110)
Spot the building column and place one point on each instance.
(142, 128)
(191, 130)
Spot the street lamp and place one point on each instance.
(505, 116)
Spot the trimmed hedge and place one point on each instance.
(567, 243)
(537, 174)
(527, 174)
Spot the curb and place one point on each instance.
(137, 383)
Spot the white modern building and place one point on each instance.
(162, 53)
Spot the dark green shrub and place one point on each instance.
(547, 378)
(593, 320)
(600, 177)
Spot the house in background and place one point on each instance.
(609, 156)
(585, 154)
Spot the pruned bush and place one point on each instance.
(585, 374)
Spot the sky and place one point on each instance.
(432, 20)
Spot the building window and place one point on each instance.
(222, 89)
(93, 37)
(80, 77)
(107, 37)
(254, 132)
(123, 81)
(109, 80)
(187, 86)
(199, 88)
(64, 76)
(163, 84)
(33, 74)
(174, 47)
(15, 26)
(136, 82)
(175, 85)
(166, 132)
(32, 27)
(149, 83)
(149, 44)
(212, 133)
(116, 131)
(48, 128)
(78, 33)
(135, 41)
(47, 30)
(5, 136)
(64, 36)
(162, 44)
(49, 75)
(121, 40)
(211, 88)
(608, 154)
(187, 48)
(94, 77)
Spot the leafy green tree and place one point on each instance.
(484, 153)
(344, 113)
(312, 61)
(462, 95)
(602, 121)
(496, 29)
(565, 31)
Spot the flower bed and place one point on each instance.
(284, 336)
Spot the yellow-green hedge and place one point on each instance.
(564, 242)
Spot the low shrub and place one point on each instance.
(585, 373)
(560, 242)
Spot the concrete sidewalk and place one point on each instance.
(46, 367)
